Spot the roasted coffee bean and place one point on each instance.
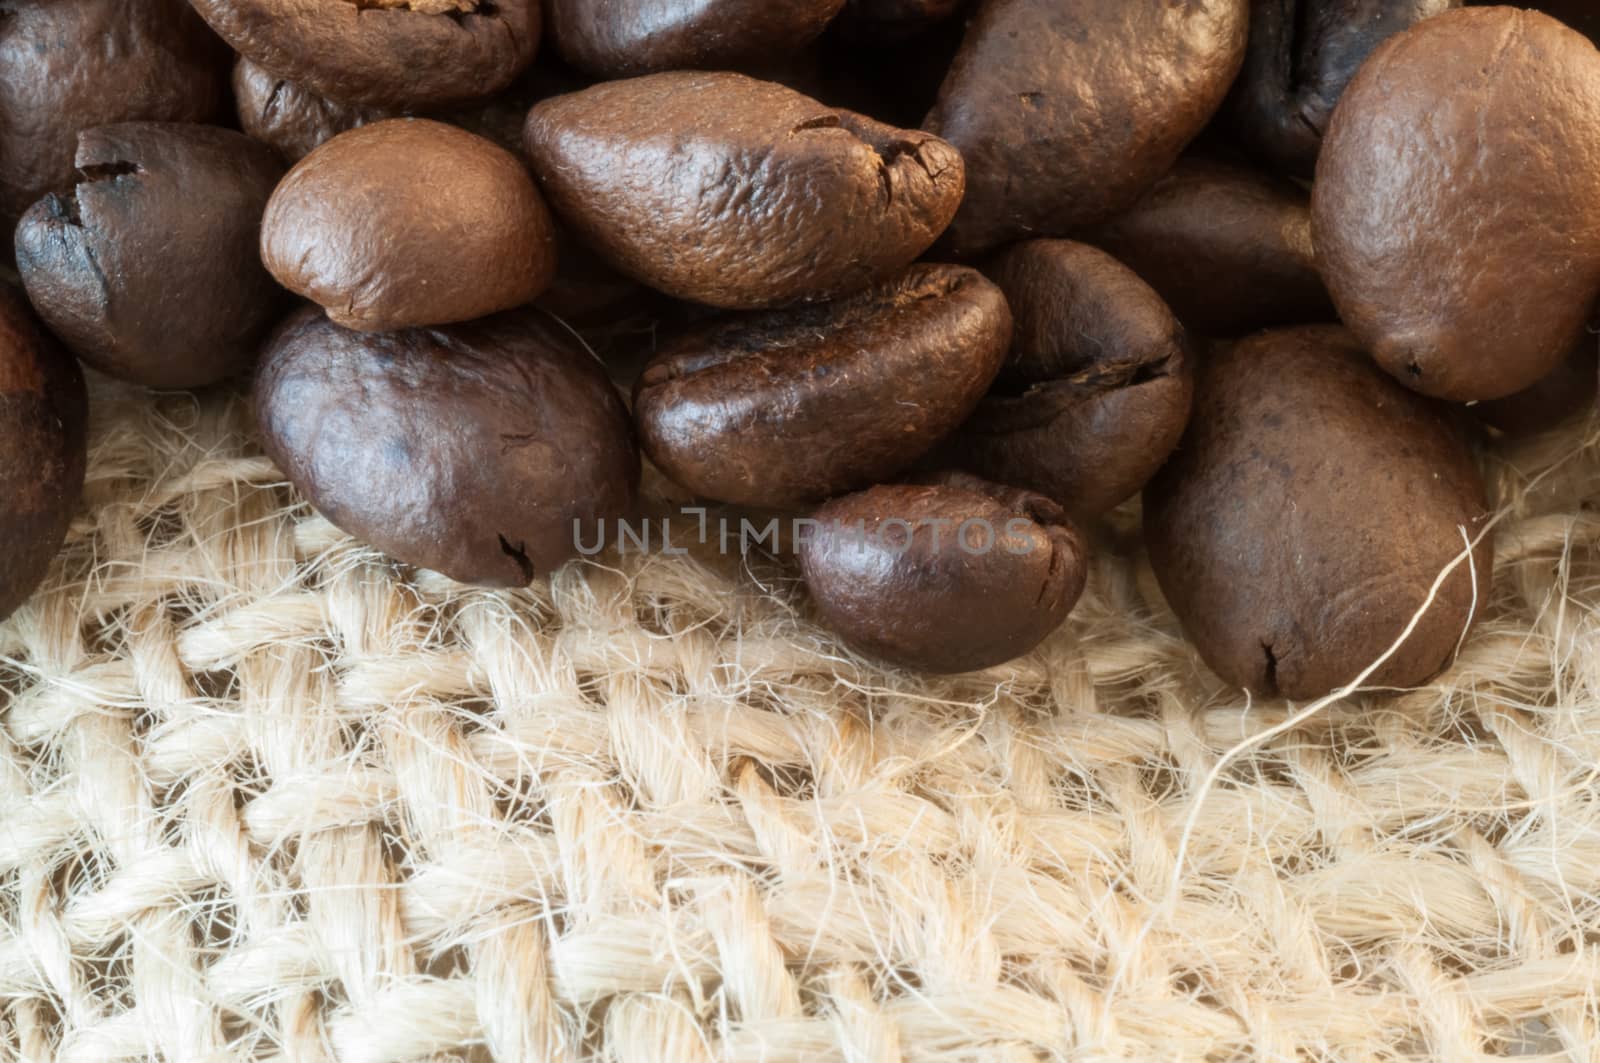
(149, 268)
(479, 450)
(625, 38)
(1096, 391)
(739, 193)
(1457, 203)
(1561, 394)
(1066, 111)
(409, 222)
(66, 67)
(790, 407)
(1228, 247)
(947, 577)
(1301, 56)
(1581, 15)
(1308, 511)
(584, 285)
(290, 117)
(294, 120)
(384, 53)
(43, 413)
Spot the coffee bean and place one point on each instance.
(1559, 395)
(43, 413)
(946, 577)
(294, 121)
(739, 193)
(1301, 56)
(625, 38)
(149, 267)
(384, 53)
(1457, 203)
(1307, 512)
(1096, 390)
(1581, 15)
(1066, 111)
(67, 67)
(289, 117)
(478, 450)
(409, 222)
(785, 408)
(1228, 247)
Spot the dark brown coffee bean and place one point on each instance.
(1309, 509)
(785, 408)
(66, 67)
(43, 413)
(740, 193)
(384, 53)
(1066, 111)
(294, 120)
(1301, 56)
(409, 222)
(625, 38)
(1228, 247)
(1457, 203)
(1561, 394)
(1096, 391)
(149, 268)
(478, 450)
(944, 578)
(289, 117)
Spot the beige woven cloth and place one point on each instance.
(265, 795)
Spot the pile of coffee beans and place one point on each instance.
(944, 281)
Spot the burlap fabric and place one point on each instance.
(265, 795)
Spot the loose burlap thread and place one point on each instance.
(266, 795)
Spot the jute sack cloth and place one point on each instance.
(266, 795)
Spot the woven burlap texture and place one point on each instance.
(264, 794)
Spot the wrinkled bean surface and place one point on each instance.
(792, 406)
(740, 193)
